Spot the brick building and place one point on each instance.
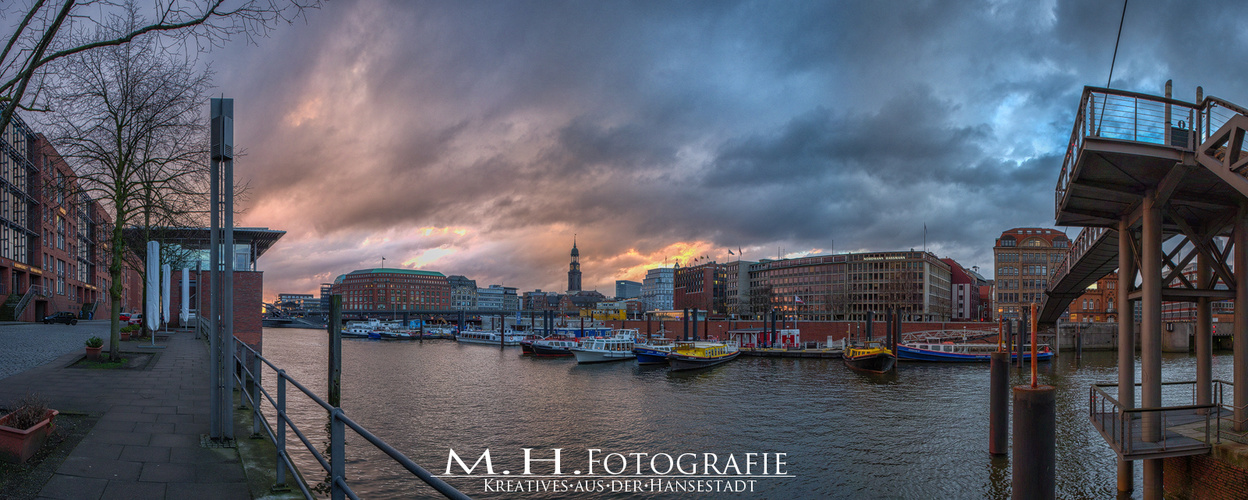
(1098, 304)
(53, 236)
(189, 248)
(1023, 258)
(701, 286)
(398, 291)
(965, 285)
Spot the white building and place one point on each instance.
(656, 289)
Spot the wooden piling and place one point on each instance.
(335, 351)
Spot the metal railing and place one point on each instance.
(1220, 390)
(1132, 116)
(1082, 243)
(334, 465)
(1115, 422)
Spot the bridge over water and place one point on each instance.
(1158, 184)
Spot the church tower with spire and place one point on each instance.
(574, 269)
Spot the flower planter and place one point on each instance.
(93, 353)
(125, 335)
(17, 446)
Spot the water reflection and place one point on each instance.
(920, 433)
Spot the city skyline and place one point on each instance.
(477, 139)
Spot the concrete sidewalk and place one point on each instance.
(146, 443)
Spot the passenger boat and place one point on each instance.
(872, 359)
(360, 329)
(604, 349)
(692, 355)
(949, 352)
(552, 347)
(653, 352)
(439, 332)
(482, 337)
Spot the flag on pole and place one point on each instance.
(798, 299)
(730, 252)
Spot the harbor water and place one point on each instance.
(821, 430)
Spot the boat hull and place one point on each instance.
(471, 340)
(549, 351)
(584, 356)
(681, 362)
(871, 363)
(650, 356)
(913, 354)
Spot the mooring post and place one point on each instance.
(695, 323)
(1078, 342)
(685, 319)
(888, 328)
(870, 319)
(1034, 458)
(1022, 338)
(999, 403)
(335, 351)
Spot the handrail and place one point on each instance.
(1132, 116)
(1118, 429)
(1087, 238)
(335, 464)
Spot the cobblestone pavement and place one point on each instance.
(26, 345)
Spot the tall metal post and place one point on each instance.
(1126, 339)
(335, 351)
(1150, 338)
(1204, 335)
(1240, 334)
(220, 326)
(227, 282)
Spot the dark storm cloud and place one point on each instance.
(652, 128)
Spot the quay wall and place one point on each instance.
(1175, 337)
(1220, 475)
(812, 331)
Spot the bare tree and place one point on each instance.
(129, 118)
(46, 32)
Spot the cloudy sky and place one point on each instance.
(479, 138)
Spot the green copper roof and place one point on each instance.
(398, 271)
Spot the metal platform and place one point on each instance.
(1184, 429)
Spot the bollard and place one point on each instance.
(1035, 446)
(999, 404)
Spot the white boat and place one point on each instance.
(360, 329)
(483, 337)
(604, 349)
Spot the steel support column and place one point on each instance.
(1150, 337)
(1204, 334)
(1126, 340)
(1240, 362)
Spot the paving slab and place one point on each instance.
(146, 443)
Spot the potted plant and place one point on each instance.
(94, 344)
(127, 330)
(24, 431)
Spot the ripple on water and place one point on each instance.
(921, 433)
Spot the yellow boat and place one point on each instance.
(874, 359)
(693, 355)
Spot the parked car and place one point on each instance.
(61, 317)
(135, 319)
(123, 317)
